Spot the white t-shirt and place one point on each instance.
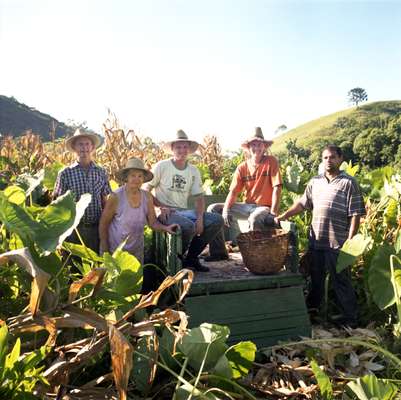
(173, 186)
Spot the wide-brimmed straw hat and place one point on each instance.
(258, 135)
(79, 133)
(181, 136)
(134, 163)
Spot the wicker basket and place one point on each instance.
(265, 252)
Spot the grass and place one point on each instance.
(310, 132)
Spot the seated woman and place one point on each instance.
(128, 210)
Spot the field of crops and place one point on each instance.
(92, 335)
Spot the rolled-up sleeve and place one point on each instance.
(356, 205)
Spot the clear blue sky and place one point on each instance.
(209, 67)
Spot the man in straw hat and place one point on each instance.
(174, 181)
(259, 176)
(84, 176)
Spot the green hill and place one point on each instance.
(16, 118)
(336, 127)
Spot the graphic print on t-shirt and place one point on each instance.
(178, 182)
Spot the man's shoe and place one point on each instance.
(216, 257)
(194, 264)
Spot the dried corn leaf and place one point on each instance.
(121, 360)
(23, 258)
(152, 298)
(94, 277)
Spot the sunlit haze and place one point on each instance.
(217, 67)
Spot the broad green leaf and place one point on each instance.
(223, 368)
(50, 175)
(351, 250)
(206, 342)
(369, 387)
(323, 381)
(15, 194)
(17, 220)
(12, 358)
(60, 218)
(142, 366)
(53, 224)
(166, 345)
(30, 182)
(293, 176)
(3, 343)
(379, 277)
(82, 251)
(391, 213)
(349, 168)
(125, 272)
(241, 357)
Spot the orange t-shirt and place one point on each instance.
(258, 183)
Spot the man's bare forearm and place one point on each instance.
(293, 210)
(276, 195)
(354, 226)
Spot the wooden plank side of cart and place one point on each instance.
(265, 309)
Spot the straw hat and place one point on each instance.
(181, 137)
(134, 163)
(79, 133)
(258, 135)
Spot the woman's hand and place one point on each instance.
(164, 214)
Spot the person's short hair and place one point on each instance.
(333, 148)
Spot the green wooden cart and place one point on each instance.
(262, 308)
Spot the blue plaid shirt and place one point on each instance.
(93, 180)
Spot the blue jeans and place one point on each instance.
(186, 219)
(258, 218)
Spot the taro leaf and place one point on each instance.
(144, 364)
(222, 368)
(166, 350)
(30, 182)
(126, 272)
(3, 344)
(351, 250)
(50, 175)
(23, 258)
(82, 251)
(379, 277)
(206, 339)
(322, 380)
(293, 177)
(56, 221)
(241, 357)
(369, 387)
(121, 360)
(94, 277)
(17, 220)
(60, 218)
(15, 194)
(391, 213)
